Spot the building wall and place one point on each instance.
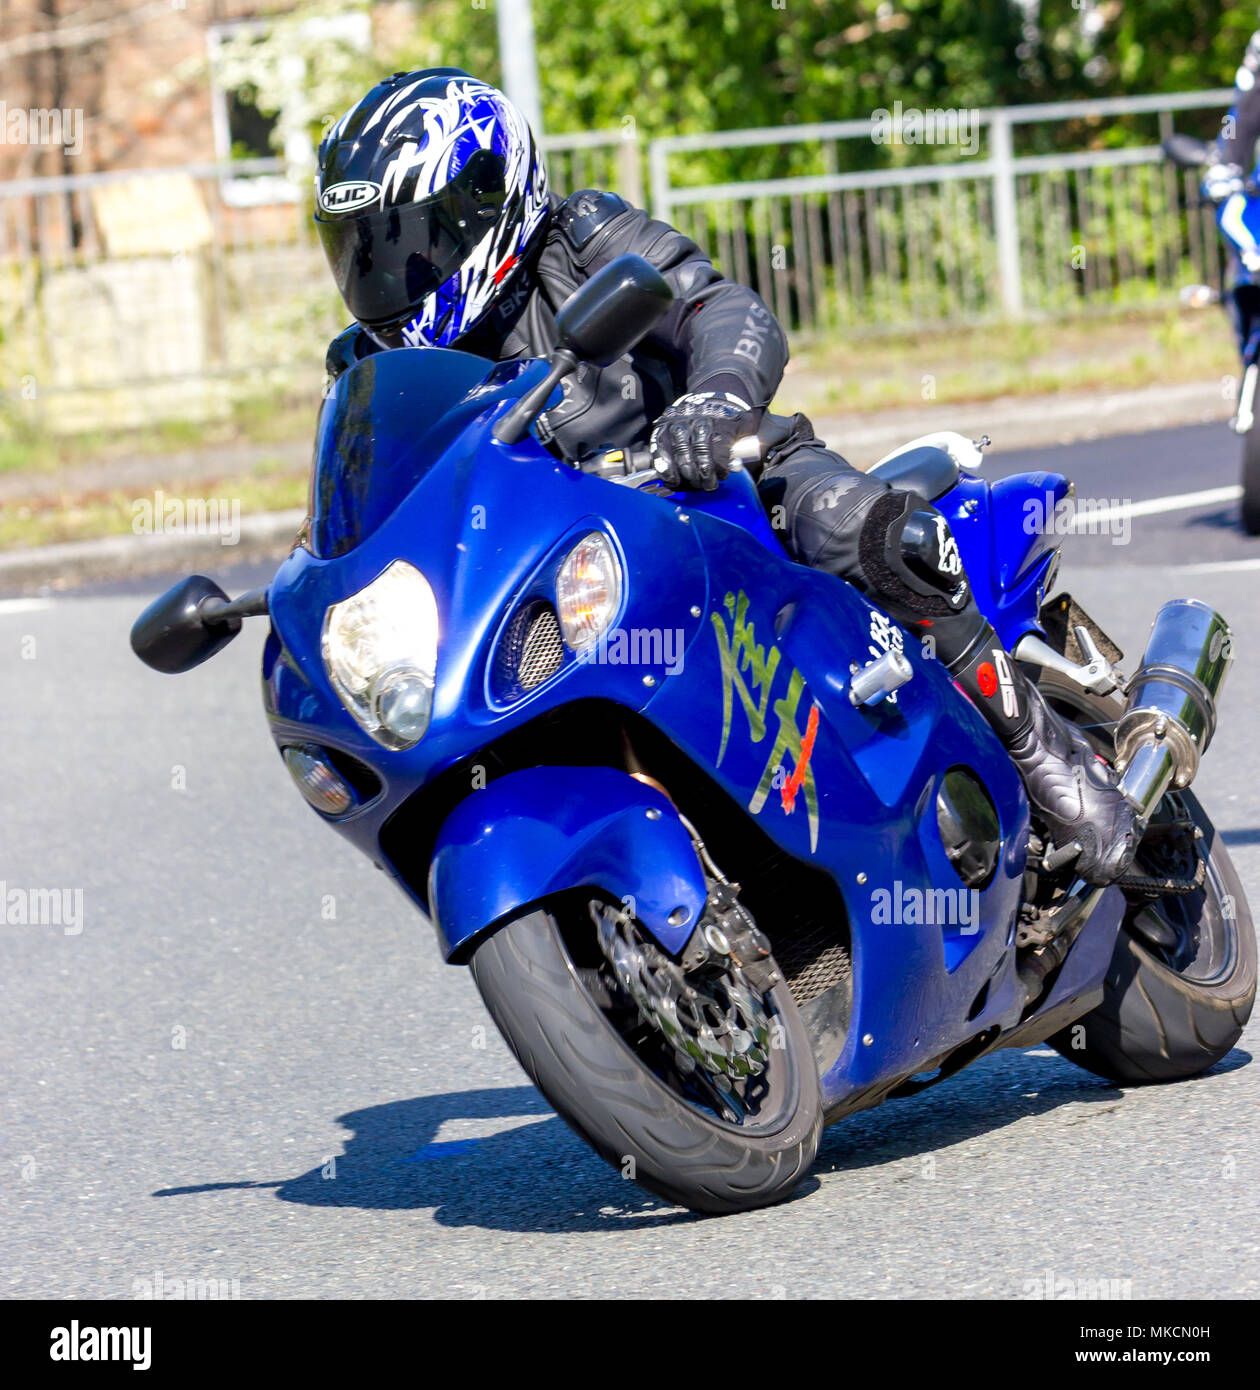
(141, 85)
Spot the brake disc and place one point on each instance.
(713, 1019)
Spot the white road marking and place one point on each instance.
(1220, 567)
(1154, 506)
(23, 605)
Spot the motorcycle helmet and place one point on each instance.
(429, 192)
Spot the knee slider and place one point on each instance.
(930, 551)
(889, 574)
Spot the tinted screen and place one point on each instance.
(382, 427)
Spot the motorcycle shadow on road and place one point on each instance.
(533, 1174)
(528, 1171)
(1217, 519)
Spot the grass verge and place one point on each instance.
(829, 377)
(270, 487)
(825, 378)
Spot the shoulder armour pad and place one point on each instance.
(582, 215)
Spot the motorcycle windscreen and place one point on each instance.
(379, 433)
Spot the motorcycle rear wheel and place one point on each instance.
(1182, 978)
(603, 1075)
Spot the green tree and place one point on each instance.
(671, 66)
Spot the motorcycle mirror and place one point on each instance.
(179, 630)
(598, 323)
(607, 316)
(1187, 151)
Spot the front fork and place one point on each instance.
(1241, 315)
(1242, 311)
(1245, 416)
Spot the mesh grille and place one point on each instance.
(542, 648)
(813, 962)
(530, 652)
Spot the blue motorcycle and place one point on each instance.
(1238, 219)
(730, 857)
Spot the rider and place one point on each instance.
(1236, 149)
(433, 208)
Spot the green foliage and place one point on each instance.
(673, 66)
(1174, 45)
(678, 66)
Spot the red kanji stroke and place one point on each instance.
(797, 780)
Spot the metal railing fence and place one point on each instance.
(996, 234)
(130, 296)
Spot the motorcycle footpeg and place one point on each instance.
(1156, 887)
(1062, 856)
(1095, 674)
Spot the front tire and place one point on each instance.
(546, 1007)
(1251, 480)
(1182, 978)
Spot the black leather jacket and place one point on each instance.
(717, 335)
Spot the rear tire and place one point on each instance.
(610, 1097)
(1251, 480)
(1166, 1013)
(1155, 1026)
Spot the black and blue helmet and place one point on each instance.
(429, 192)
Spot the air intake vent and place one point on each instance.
(814, 961)
(543, 649)
(532, 650)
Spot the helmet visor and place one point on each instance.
(387, 261)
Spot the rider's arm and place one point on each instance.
(1238, 147)
(721, 333)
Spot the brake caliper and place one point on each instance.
(709, 1005)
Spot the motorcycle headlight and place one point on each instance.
(380, 651)
(588, 590)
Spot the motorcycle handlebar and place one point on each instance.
(622, 463)
(617, 463)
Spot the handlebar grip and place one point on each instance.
(621, 463)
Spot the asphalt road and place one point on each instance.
(251, 1065)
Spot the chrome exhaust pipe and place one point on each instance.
(1170, 711)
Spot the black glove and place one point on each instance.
(691, 443)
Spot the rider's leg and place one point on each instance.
(898, 550)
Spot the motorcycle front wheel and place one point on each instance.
(648, 1081)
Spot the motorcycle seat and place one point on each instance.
(927, 470)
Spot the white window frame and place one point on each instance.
(257, 190)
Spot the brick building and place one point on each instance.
(90, 85)
(134, 286)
